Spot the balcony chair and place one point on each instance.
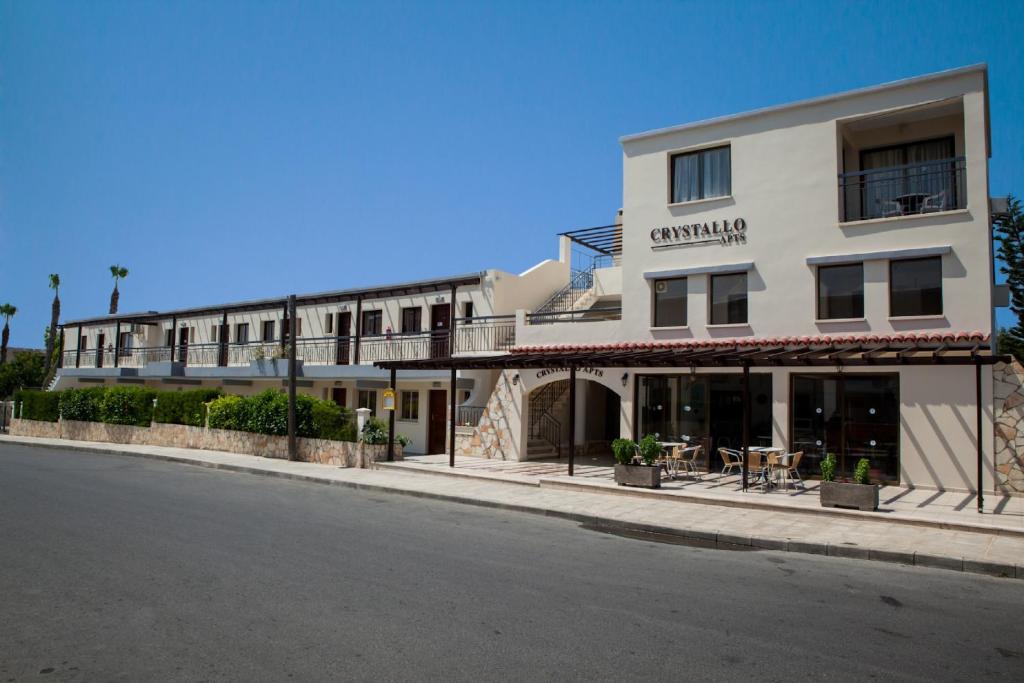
(730, 460)
(934, 202)
(889, 208)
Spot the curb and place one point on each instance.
(719, 538)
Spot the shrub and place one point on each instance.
(37, 405)
(624, 450)
(650, 449)
(228, 412)
(127, 406)
(375, 431)
(828, 468)
(81, 404)
(184, 407)
(266, 413)
(861, 473)
(331, 421)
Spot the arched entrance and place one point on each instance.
(598, 417)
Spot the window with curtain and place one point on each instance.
(412, 319)
(926, 168)
(915, 287)
(372, 322)
(729, 299)
(702, 175)
(841, 291)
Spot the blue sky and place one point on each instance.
(226, 150)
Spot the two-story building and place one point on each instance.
(816, 276)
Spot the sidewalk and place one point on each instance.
(988, 552)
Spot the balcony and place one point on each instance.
(906, 190)
(472, 335)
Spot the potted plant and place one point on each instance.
(636, 464)
(860, 494)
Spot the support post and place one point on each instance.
(224, 338)
(78, 348)
(60, 358)
(981, 454)
(285, 323)
(451, 422)
(451, 324)
(292, 445)
(391, 419)
(746, 423)
(572, 419)
(117, 343)
(174, 335)
(359, 325)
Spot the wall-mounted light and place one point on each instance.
(439, 299)
(625, 378)
(343, 308)
(515, 379)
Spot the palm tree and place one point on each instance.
(118, 273)
(7, 311)
(51, 333)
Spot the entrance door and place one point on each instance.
(344, 329)
(100, 339)
(440, 326)
(436, 423)
(339, 396)
(183, 346)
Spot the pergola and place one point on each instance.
(964, 348)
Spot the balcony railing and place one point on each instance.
(594, 314)
(485, 333)
(926, 187)
(468, 416)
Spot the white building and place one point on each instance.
(838, 248)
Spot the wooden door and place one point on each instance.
(183, 346)
(343, 330)
(100, 343)
(440, 324)
(437, 422)
(340, 396)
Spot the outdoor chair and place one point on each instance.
(688, 459)
(755, 467)
(934, 202)
(890, 208)
(730, 460)
(792, 471)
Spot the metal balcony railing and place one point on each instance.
(926, 187)
(594, 314)
(485, 333)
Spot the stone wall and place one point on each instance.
(323, 451)
(492, 437)
(36, 428)
(1008, 409)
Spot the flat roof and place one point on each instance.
(892, 85)
(398, 289)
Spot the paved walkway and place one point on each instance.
(988, 552)
(942, 508)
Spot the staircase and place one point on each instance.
(576, 295)
(550, 402)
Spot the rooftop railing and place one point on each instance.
(920, 188)
(597, 313)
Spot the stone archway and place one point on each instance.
(598, 419)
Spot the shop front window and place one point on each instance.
(851, 416)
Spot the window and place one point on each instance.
(410, 405)
(412, 319)
(467, 311)
(368, 399)
(219, 333)
(83, 342)
(841, 291)
(917, 177)
(670, 302)
(242, 333)
(286, 327)
(268, 331)
(702, 175)
(915, 287)
(329, 323)
(729, 299)
(124, 344)
(169, 337)
(372, 322)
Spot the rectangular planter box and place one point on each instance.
(835, 494)
(273, 367)
(638, 475)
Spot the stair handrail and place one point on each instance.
(580, 282)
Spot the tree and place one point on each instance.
(1009, 233)
(118, 273)
(51, 336)
(7, 311)
(24, 370)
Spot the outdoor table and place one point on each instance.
(671, 463)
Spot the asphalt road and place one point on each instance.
(118, 568)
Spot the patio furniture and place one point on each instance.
(934, 202)
(912, 202)
(756, 467)
(669, 459)
(688, 459)
(730, 460)
(778, 469)
(791, 468)
(890, 208)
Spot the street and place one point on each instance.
(121, 568)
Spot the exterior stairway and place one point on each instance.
(548, 407)
(577, 295)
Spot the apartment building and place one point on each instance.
(816, 276)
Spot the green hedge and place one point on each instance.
(127, 406)
(184, 407)
(81, 404)
(267, 413)
(37, 405)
